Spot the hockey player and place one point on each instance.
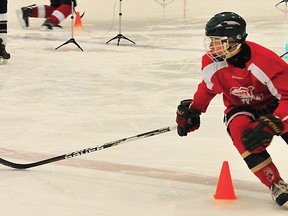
(55, 13)
(4, 56)
(253, 81)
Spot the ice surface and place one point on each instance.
(57, 101)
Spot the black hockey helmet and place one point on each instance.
(227, 24)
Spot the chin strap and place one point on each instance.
(237, 46)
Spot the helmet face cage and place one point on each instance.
(216, 47)
(220, 48)
(224, 32)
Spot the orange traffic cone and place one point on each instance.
(78, 21)
(225, 189)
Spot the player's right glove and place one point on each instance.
(186, 119)
(259, 136)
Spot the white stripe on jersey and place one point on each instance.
(210, 69)
(263, 78)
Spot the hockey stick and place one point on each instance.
(281, 2)
(283, 55)
(86, 150)
(82, 14)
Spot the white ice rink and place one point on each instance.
(54, 102)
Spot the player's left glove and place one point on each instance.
(187, 119)
(257, 138)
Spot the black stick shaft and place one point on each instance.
(284, 54)
(280, 3)
(86, 150)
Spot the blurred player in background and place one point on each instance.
(4, 56)
(55, 13)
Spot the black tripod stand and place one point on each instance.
(282, 2)
(120, 36)
(72, 39)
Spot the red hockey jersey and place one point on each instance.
(262, 81)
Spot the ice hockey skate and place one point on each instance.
(23, 15)
(49, 25)
(280, 193)
(4, 56)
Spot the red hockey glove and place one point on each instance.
(257, 138)
(186, 119)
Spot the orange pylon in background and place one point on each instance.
(78, 21)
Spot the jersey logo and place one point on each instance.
(246, 94)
